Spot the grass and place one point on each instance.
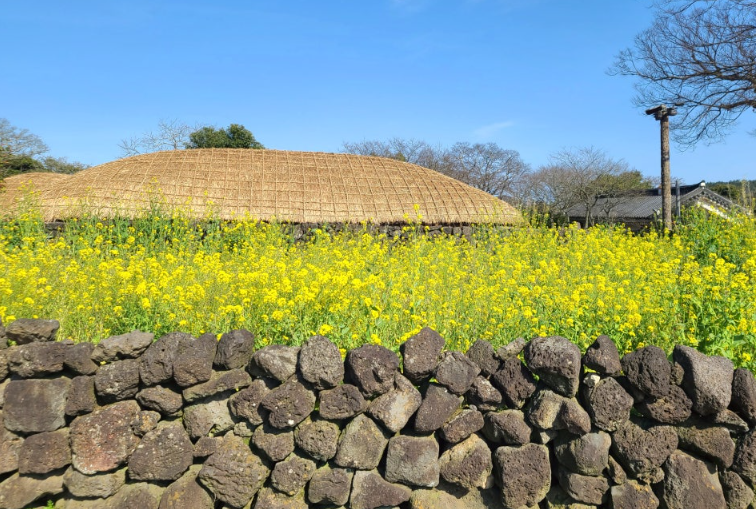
(165, 273)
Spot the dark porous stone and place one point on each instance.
(193, 362)
(4, 354)
(343, 402)
(104, 439)
(289, 404)
(219, 382)
(731, 421)
(515, 382)
(9, 447)
(421, 354)
(615, 472)
(161, 399)
(586, 455)
(608, 404)
(372, 369)
(648, 370)
(330, 486)
(690, 483)
(371, 491)
(291, 475)
(511, 349)
(235, 349)
(707, 441)
(142, 495)
(361, 444)
(523, 473)
(447, 495)
(483, 355)
(273, 499)
(462, 425)
(507, 427)
(707, 379)
(44, 452)
(246, 404)
(436, 409)
(206, 446)
(233, 474)
(37, 359)
(31, 330)
(467, 464)
(273, 443)
(640, 450)
(737, 493)
(556, 361)
(19, 491)
(673, 408)
(319, 438)
(94, 486)
(602, 356)
(117, 381)
(744, 462)
(144, 422)
(395, 408)
(210, 415)
(78, 358)
(156, 363)
(164, 454)
(633, 495)
(81, 396)
(678, 373)
(584, 488)
(35, 406)
(320, 363)
(275, 361)
(244, 429)
(484, 395)
(187, 493)
(126, 346)
(412, 461)
(456, 372)
(744, 394)
(550, 411)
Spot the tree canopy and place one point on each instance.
(699, 55)
(234, 136)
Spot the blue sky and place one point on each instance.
(529, 75)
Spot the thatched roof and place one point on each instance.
(302, 187)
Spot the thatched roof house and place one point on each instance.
(300, 187)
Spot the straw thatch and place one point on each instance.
(302, 187)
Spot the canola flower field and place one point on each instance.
(99, 278)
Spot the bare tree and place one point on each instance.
(170, 135)
(485, 166)
(408, 150)
(20, 142)
(701, 56)
(585, 177)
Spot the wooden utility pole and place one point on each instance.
(662, 114)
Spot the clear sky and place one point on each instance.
(529, 75)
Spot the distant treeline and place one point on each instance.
(742, 192)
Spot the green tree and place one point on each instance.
(235, 136)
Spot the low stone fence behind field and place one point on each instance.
(201, 423)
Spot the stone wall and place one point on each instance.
(185, 422)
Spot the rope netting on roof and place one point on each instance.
(302, 187)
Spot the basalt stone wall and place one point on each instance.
(185, 422)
